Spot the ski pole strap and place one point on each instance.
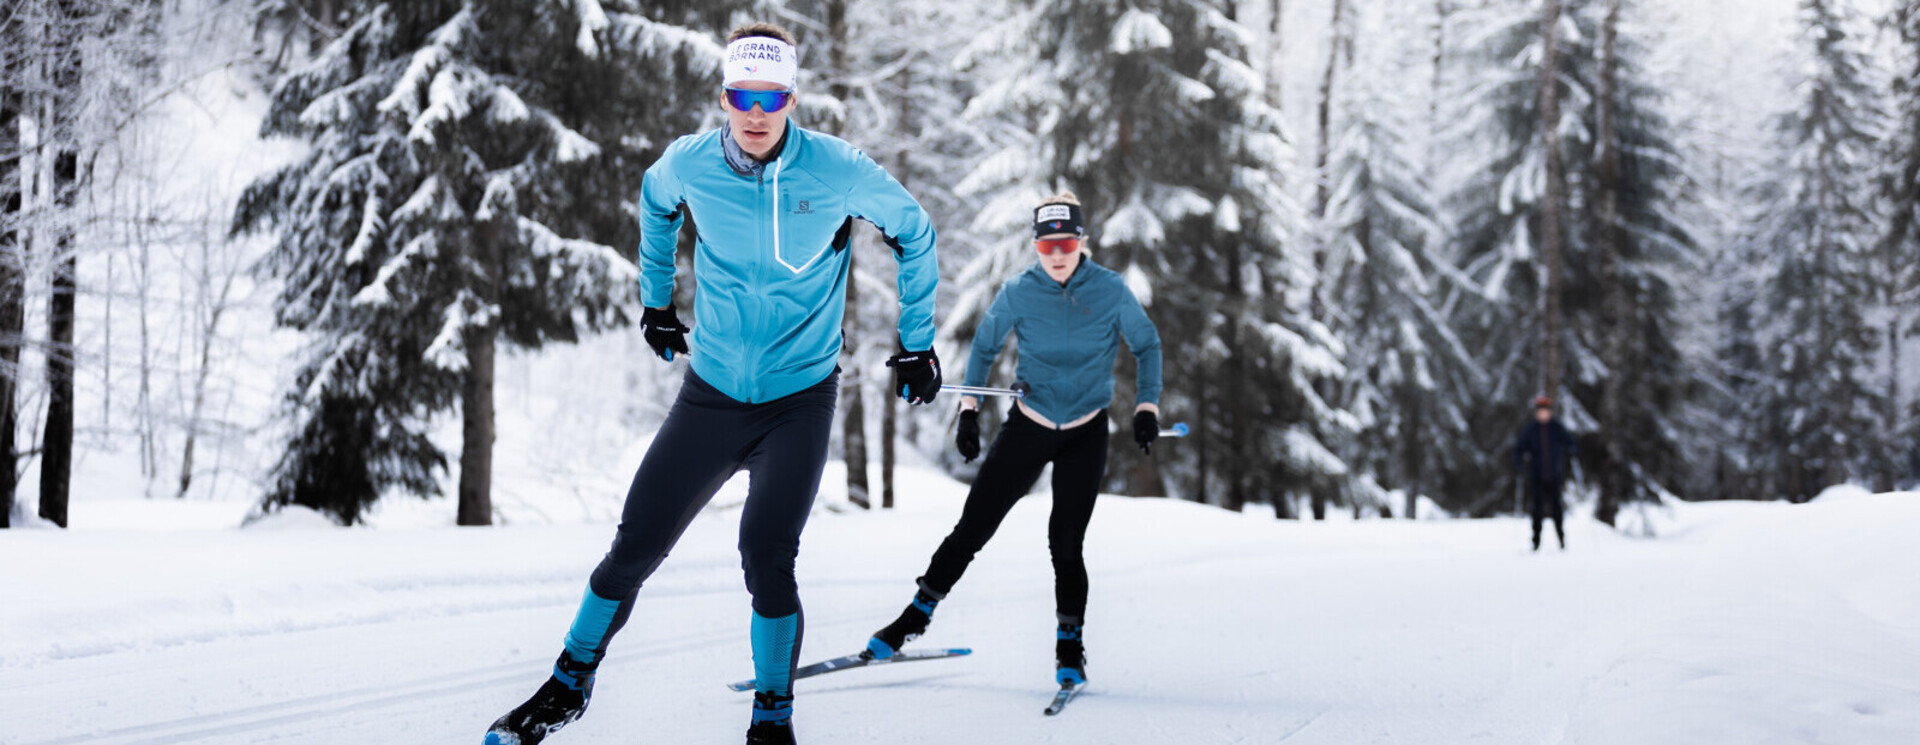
(1019, 390)
(1179, 430)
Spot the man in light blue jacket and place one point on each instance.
(773, 207)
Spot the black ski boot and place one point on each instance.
(908, 627)
(560, 701)
(1070, 655)
(772, 720)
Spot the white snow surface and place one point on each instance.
(1744, 622)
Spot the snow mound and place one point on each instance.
(293, 517)
(1842, 491)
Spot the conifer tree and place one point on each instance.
(1815, 246)
(471, 169)
(1151, 112)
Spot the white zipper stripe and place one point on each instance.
(777, 164)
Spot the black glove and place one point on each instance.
(664, 331)
(1146, 429)
(916, 375)
(967, 437)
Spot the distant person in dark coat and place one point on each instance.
(1545, 450)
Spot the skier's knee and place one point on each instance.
(771, 582)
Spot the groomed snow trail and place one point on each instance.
(1749, 623)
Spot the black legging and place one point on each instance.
(707, 437)
(1013, 464)
(1543, 500)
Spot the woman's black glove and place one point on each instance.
(967, 437)
(1146, 429)
(664, 331)
(916, 375)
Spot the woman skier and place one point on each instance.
(1069, 316)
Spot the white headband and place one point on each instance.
(762, 59)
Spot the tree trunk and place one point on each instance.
(1283, 508)
(853, 432)
(12, 288)
(319, 34)
(1202, 439)
(1556, 195)
(1442, 11)
(889, 405)
(146, 423)
(1888, 472)
(1323, 150)
(1276, 17)
(1615, 478)
(56, 459)
(216, 306)
(477, 425)
(477, 430)
(889, 432)
(1411, 449)
(1239, 465)
(853, 428)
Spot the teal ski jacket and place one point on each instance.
(1068, 337)
(770, 259)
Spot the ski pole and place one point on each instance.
(1179, 430)
(1019, 390)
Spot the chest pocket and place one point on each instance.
(812, 221)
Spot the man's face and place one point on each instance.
(756, 130)
(1543, 415)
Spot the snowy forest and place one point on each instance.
(340, 254)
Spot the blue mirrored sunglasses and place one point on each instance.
(769, 101)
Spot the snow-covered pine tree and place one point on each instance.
(1386, 274)
(471, 166)
(1496, 188)
(1742, 425)
(1151, 112)
(1639, 248)
(1900, 247)
(1816, 245)
(1624, 247)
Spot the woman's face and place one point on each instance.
(1059, 264)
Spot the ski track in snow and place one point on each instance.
(1756, 623)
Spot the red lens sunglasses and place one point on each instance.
(1057, 246)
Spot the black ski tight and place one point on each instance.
(706, 438)
(1013, 464)
(1543, 500)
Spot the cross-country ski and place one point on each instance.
(861, 659)
(1067, 693)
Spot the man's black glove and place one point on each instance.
(967, 438)
(1146, 429)
(916, 375)
(664, 331)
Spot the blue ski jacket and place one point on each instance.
(770, 259)
(1068, 337)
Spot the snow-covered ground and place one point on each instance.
(1742, 623)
